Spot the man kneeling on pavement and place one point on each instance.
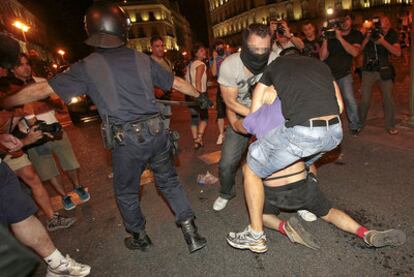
(295, 129)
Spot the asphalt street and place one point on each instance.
(370, 177)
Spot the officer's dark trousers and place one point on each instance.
(130, 160)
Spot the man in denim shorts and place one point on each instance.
(292, 189)
(311, 105)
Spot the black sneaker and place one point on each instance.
(138, 241)
(59, 222)
(355, 132)
(391, 237)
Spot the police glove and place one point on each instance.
(203, 101)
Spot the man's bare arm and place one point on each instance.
(259, 94)
(31, 93)
(236, 123)
(323, 52)
(185, 87)
(298, 42)
(229, 95)
(394, 49)
(339, 97)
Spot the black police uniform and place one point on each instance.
(133, 109)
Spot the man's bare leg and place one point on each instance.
(31, 233)
(254, 192)
(73, 176)
(271, 221)
(390, 237)
(40, 194)
(57, 185)
(342, 221)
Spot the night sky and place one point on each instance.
(64, 21)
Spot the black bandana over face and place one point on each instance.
(255, 63)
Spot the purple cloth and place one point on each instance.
(265, 119)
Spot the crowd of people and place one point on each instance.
(286, 90)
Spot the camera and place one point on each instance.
(54, 128)
(280, 30)
(220, 51)
(328, 30)
(372, 64)
(376, 29)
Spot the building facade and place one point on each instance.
(35, 38)
(229, 17)
(157, 17)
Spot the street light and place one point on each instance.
(62, 54)
(329, 11)
(22, 27)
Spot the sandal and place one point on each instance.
(200, 139)
(393, 131)
(197, 144)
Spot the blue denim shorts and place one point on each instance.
(283, 146)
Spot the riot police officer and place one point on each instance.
(120, 81)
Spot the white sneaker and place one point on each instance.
(69, 268)
(220, 204)
(307, 215)
(220, 139)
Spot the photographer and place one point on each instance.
(312, 42)
(380, 41)
(42, 156)
(282, 38)
(337, 52)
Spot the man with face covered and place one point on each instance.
(238, 75)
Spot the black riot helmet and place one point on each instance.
(107, 25)
(9, 51)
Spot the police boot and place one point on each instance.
(138, 241)
(193, 239)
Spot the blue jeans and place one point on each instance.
(351, 107)
(234, 146)
(130, 160)
(283, 146)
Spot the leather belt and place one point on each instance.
(320, 122)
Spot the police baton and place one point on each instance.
(178, 103)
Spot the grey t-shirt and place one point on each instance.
(233, 74)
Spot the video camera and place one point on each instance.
(376, 29)
(328, 30)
